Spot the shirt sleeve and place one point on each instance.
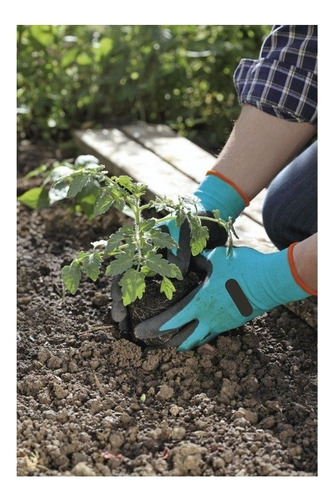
(283, 81)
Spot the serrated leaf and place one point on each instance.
(180, 217)
(87, 197)
(122, 263)
(104, 200)
(147, 225)
(162, 239)
(199, 235)
(71, 276)
(77, 184)
(175, 272)
(164, 203)
(132, 285)
(156, 263)
(125, 181)
(114, 241)
(35, 198)
(167, 287)
(91, 265)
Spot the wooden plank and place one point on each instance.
(184, 155)
(254, 210)
(121, 155)
(252, 234)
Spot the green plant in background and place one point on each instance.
(134, 251)
(78, 76)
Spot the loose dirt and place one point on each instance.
(91, 403)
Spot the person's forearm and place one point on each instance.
(259, 146)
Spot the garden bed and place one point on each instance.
(91, 403)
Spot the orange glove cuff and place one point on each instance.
(231, 183)
(295, 274)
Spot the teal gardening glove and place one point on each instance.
(237, 288)
(215, 192)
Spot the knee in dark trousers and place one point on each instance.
(290, 207)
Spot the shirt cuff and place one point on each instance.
(276, 88)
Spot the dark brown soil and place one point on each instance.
(91, 403)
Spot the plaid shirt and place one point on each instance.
(283, 81)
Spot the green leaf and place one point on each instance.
(87, 197)
(71, 276)
(114, 241)
(156, 263)
(122, 263)
(36, 171)
(83, 59)
(105, 46)
(77, 184)
(104, 200)
(180, 217)
(91, 265)
(147, 225)
(132, 285)
(61, 172)
(58, 192)
(35, 198)
(43, 34)
(175, 272)
(162, 240)
(199, 235)
(167, 287)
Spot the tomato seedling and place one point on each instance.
(134, 251)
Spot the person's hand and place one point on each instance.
(236, 289)
(213, 193)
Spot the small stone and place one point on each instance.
(268, 422)
(178, 433)
(59, 391)
(151, 363)
(174, 410)
(165, 393)
(95, 406)
(187, 458)
(229, 388)
(100, 299)
(82, 469)
(44, 354)
(54, 362)
(116, 441)
(249, 415)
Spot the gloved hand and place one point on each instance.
(215, 192)
(236, 289)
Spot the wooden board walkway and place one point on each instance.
(171, 165)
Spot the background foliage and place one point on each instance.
(79, 76)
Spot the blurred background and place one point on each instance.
(77, 77)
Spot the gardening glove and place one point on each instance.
(214, 192)
(236, 289)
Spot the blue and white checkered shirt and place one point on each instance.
(283, 81)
